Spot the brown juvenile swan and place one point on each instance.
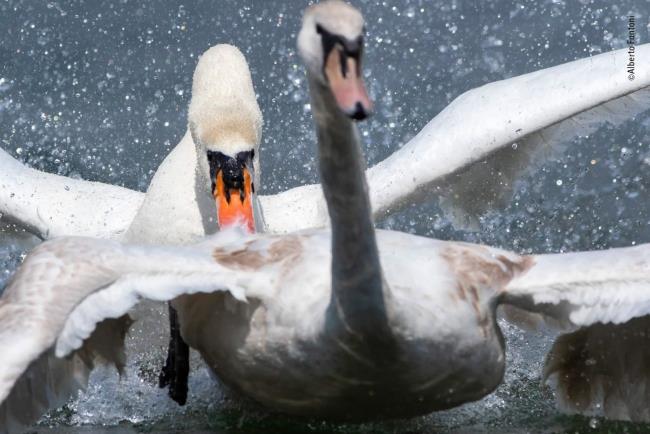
(349, 324)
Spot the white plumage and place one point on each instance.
(466, 146)
(223, 116)
(442, 301)
(267, 306)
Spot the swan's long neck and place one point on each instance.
(357, 284)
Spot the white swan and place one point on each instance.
(391, 332)
(179, 206)
(224, 122)
(464, 152)
(216, 161)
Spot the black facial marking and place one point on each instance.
(344, 63)
(232, 169)
(349, 48)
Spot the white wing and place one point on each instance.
(585, 288)
(465, 155)
(51, 205)
(37, 299)
(175, 209)
(604, 367)
(70, 297)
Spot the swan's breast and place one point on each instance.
(276, 347)
(288, 286)
(441, 306)
(178, 207)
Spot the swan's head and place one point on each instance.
(331, 45)
(226, 126)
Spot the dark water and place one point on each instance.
(99, 90)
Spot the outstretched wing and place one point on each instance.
(471, 154)
(36, 301)
(50, 381)
(603, 368)
(51, 205)
(465, 155)
(70, 296)
(584, 288)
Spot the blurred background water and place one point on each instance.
(99, 90)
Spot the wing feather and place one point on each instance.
(50, 205)
(472, 153)
(603, 368)
(70, 299)
(465, 155)
(584, 288)
(489, 183)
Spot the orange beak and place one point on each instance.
(235, 205)
(343, 73)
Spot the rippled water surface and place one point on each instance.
(99, 90)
